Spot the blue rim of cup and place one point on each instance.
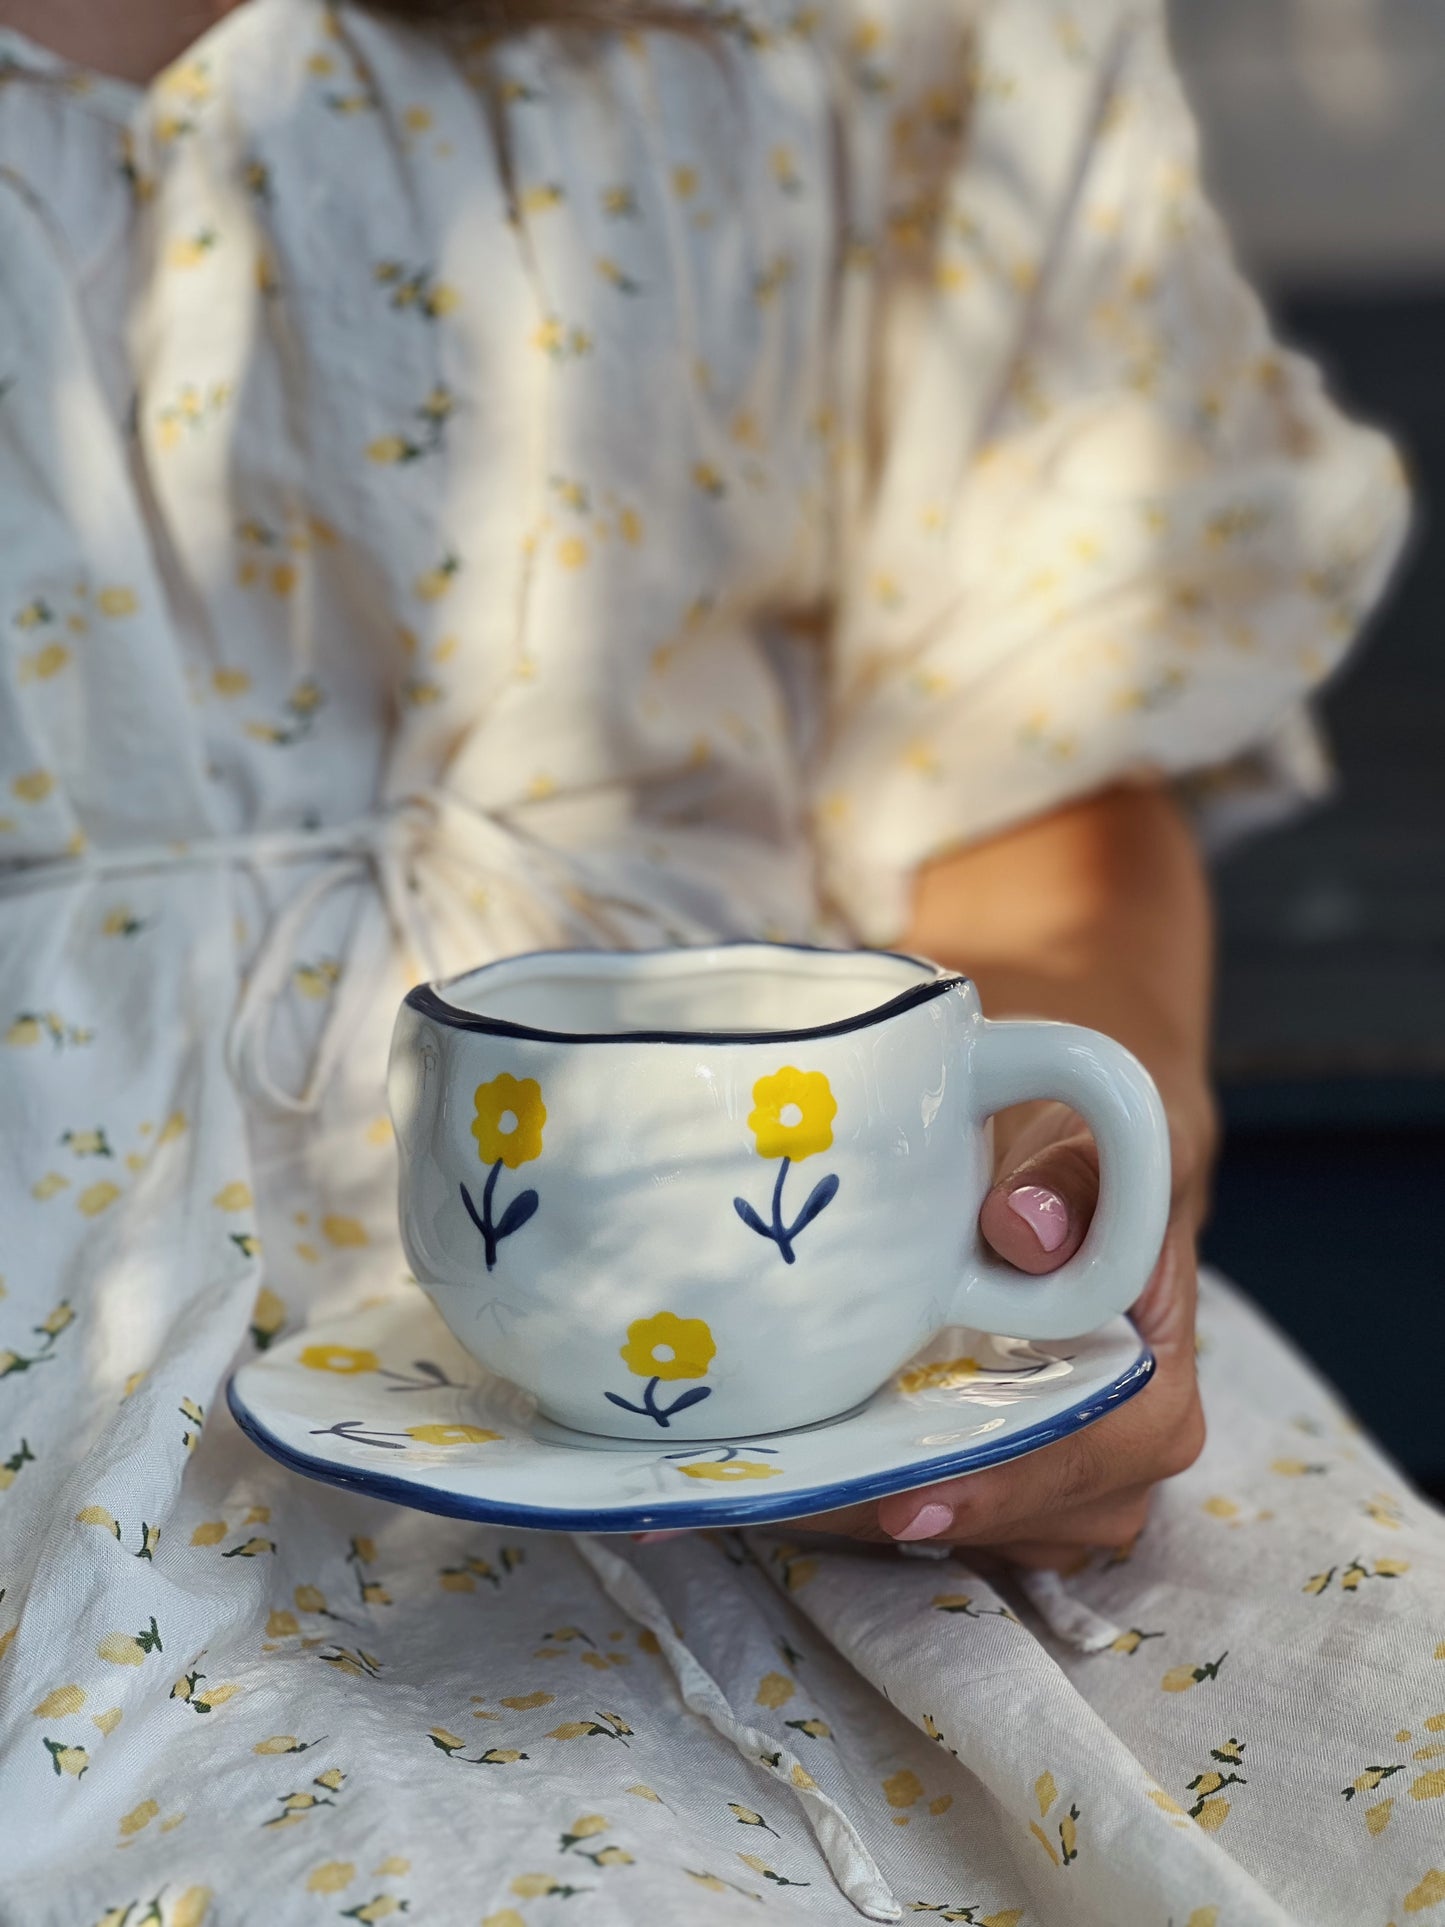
(427, 1000)
(724, 1509)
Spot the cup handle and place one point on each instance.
(1011, 1063)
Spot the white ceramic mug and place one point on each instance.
(708, 1193)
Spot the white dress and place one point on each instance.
(620, 492)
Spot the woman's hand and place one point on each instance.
(1096, 915)
(1093, 1489)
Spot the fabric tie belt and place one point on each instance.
(383, 852)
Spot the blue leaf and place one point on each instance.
(624, 1403)
(694, 1397)
(519, 1210)
(750, 1217)
(820, 1195)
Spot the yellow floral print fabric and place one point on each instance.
(462, 498)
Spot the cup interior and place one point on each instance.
(731, 990)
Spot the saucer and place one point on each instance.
(385, 1402)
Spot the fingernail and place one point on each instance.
(927, 1522)
(1044, 1212)
(651, 1538)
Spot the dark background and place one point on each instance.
(1322, 127)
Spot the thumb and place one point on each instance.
(1037, 1213)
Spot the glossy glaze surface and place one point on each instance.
(683, 1235)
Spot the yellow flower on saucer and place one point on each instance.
(666, 1346)
(519, 1098)
(338, 1358)
(451, 1434)
(943, 1375)
(733, 1469)
(793, 1114)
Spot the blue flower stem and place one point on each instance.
(489, 1234)
(649, 1404)
(484, 1221)
(780, 1233)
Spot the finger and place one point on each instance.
(1036, 1215)
(1062, 1494)
(1157, 1434)
(1084, 1491)
(1069, 1539)
(987, 1508)
(1029, 1497)
(1058, 1540)
(1164, 1313)
(1112, 1520)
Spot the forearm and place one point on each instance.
(1098, 914)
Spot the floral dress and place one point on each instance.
(463, 498)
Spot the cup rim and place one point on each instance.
(428, 1001)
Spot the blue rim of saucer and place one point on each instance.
(726, 1509)
(428, 1001)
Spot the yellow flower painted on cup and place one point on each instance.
(509, 1120)
(346, 1359)
(666, 1347)
(508, 1129)
(791, 1119)
(792, 1115)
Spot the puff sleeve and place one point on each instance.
(1098, 524)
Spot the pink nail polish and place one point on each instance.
(1044, 1212)
(927, 1522)
(652, 1538)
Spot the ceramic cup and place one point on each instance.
(708, 1193)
